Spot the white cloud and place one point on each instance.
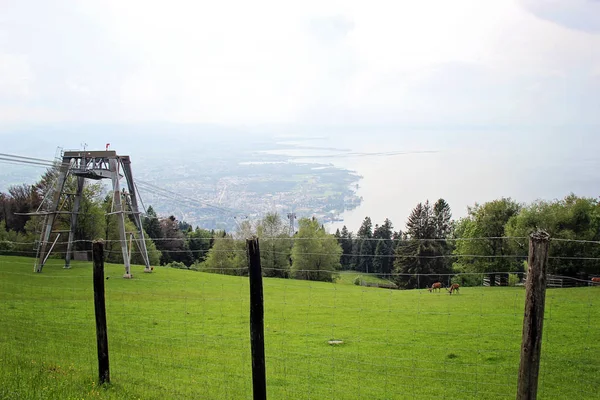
(266, 61)
(16, 78)
(583, 15)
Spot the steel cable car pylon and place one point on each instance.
(93, 165)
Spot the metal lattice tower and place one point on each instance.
(94, 165)
(291, 217)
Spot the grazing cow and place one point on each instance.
(454, 287)
(437, 285)
(596, 280)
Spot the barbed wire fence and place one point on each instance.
(186, 334)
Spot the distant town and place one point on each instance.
(221, 197)
(230, 182)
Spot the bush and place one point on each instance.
(464, 277)
(358, 280)
(176, 264)
(513, 279)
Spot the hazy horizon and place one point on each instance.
(488, 99)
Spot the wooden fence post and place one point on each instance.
(535, 296)
(257, 334)
(100, 308)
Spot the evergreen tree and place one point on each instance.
(366, 255)
(420, 223)
(345, 241)
(366, 248)
(199, 241)
(366, 229)
(151, 224)
(173, 244)
(384, 249)
(423, 256)
(442, 219)
(443, 227)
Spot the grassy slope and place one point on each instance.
(347, 278)
(178, 334)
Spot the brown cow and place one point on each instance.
(454, 287)
(596, 280)
(437, 285)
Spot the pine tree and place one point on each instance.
(365, 256)
(383, 261)
(442, 219)
(199, 243)
(423, 255)
(366, 250)
(420, 222)
(173, 244)
(366, 229)
(345, 241)
(151, 224)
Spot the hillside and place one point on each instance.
(185, 334)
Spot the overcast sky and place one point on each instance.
(521, 62)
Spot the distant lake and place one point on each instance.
(463, 167)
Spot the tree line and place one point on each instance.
(493, 237)
(311, 253)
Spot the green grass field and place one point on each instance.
(348, 277)
(183, 334)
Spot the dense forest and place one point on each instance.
(493, 237)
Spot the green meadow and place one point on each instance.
(183, 334)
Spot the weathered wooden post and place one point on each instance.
(100, 308)
(257, 334)
(535, 296)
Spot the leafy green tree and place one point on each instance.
(112, 245)
(275, 246)
(13, 243)
(91, 220)
(173, 244)
(20, 199)
(315, 254)
(245, 230)
(5, 244)
(568, 221)
(486, 223)
(226, 256)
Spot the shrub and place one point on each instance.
(176, 264)
(513, 279)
